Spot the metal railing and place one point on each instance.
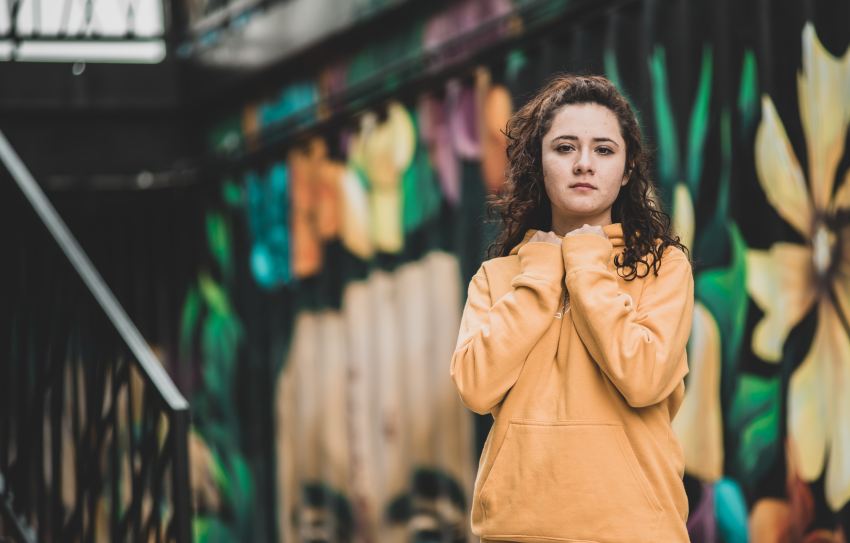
(93, 432)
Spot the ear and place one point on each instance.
(626, 175)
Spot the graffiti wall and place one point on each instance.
(323, 327)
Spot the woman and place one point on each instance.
(573, 337)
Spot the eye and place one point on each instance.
(604, 150)
(564, 148)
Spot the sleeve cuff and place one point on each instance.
(586, 250)
(541, 259)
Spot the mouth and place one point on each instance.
(582, 186)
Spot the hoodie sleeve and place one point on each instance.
(495, 338)
(641, 349)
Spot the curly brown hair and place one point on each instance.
(523, 202)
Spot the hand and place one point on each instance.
(545, 237)
(587, 229)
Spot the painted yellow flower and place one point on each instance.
(699, 423)
(788, 279)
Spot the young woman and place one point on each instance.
(573, 337)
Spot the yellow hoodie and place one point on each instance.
(581, 447)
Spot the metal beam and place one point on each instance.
(148, 361)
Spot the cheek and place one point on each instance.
(614, 180)
(555, 170)
(550, 176)
(612, 193)
(548, 167)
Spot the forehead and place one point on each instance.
(585, 120)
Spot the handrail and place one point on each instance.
(104, 296)
(110, 429)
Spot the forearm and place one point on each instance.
(494, 341)
(640, 349)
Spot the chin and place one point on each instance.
(578, 212)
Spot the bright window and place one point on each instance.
(82, 30)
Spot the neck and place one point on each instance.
(562, 224)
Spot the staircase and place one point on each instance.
(93, 432)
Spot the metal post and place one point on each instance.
(181, 495)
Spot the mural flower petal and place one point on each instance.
(837, 347)
(779, 172)
(699, 424)
(808, 403)
(683, 214)
(768, 521)
(355, 215)
(823, 86)
(780, 281)
(842, 196)
(841, 279)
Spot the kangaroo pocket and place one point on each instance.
(570, 480)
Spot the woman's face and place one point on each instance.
(584, 159)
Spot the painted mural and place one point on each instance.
(338, 267)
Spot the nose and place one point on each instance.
(583, 163)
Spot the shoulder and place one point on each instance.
(670, 253)
(499, 264)
(674, 266)
(672, 261)
(671, 257)
(674, 253)
(674, 256)
(495, 274)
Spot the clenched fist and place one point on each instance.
(546, 237)
(587, 229)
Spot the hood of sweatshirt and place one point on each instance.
(614, 232)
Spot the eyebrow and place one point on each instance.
(570, 137)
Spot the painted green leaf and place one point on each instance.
(754, 419)
(189, 321)
(723, 291)
(215, 382)
(712, 246)
(668, 140)
(214, 295)
(612, 72)
(232, 193)
(421, 196)
(218, 238)
(242, 491)
(722, 209)
(748, 93)
(515, 62)
(211, 529)
(226, 137)
(699, 124)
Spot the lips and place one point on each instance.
(582, 185)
